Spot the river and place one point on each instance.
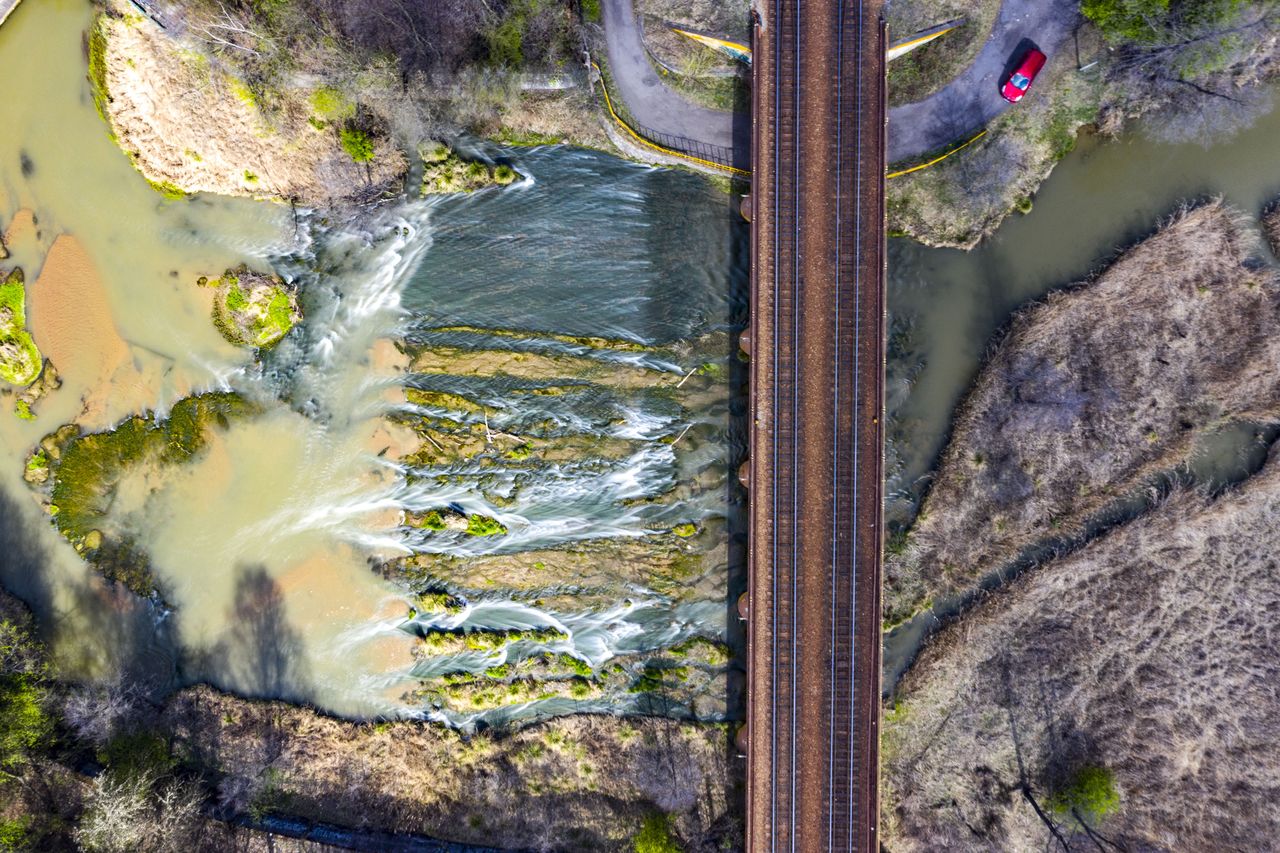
(613, 289)
(272, 547)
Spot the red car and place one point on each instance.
(1018, 83)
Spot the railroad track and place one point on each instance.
(817, 355)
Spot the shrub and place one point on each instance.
(24, 725)
(655, 836)
(331, 105)
(357, 144)
(137, 754)
(1126, 20)
(504, 175)
(1091, 794)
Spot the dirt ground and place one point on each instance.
(1090, 393)
(1151, 652)
(191, 126)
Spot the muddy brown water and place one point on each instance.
(264, 544)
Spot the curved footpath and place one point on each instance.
(969, 102)
(654, 105)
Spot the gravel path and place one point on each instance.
(973, 99)
(654, 105)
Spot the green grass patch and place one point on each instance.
(170, 191)
(254, 310)
(357, 144)
(329, 104)
(684, 531)
(483, 525)
(90, 466)
(20, 360)
(98, 68)
(526, 138)
(24, 724)
(244, 94)
(655, 836)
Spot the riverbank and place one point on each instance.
(1115, 73)
(189, 124)
(583, 783)
(303, 105)
(1091, 393)
(1146, 657)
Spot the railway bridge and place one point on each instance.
(816, 440)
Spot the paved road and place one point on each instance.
(816, 439)
(658, 107)
(973, 99)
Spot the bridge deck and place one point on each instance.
(817, 444)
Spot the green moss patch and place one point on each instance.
(251, 309)
(84, 471)
(483, 525)
(444, 172)
(19, 358)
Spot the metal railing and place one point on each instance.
(703, 153)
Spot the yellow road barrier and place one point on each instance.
(924, 37)
(937, 159)
(646, 143)
(740, 52)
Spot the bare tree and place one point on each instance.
(139, 814)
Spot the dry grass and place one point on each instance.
(1271, 226)
(191, 126)
(727, 18)
(966, 197)
(1093, 391)
(580, 783)
(927, 69)
(1153, 651)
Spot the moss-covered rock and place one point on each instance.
(440, 520)
(20, 361)
(444, 172)
(252, 309)
(82, 471)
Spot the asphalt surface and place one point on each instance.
(816, 440)
(652, 103)
(972, 100)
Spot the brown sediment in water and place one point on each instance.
(22, 230)
(71, 321)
